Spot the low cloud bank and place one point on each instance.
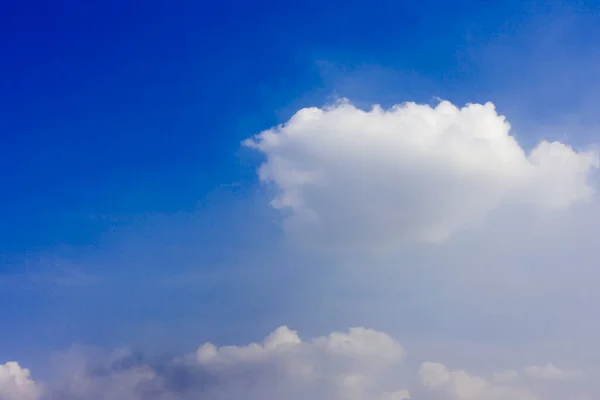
(361, 364)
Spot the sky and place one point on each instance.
(327, 200)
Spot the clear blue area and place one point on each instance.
(134, 107)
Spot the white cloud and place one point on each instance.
(373, 179)
(339, 366)
(16, 384)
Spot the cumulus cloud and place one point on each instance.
(16, 384)
(339, 366)
(350, 178)
(361, 364)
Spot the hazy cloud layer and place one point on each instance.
(487, 245)
(361, 364)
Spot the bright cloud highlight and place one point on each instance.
(15, 383)
(373, 179)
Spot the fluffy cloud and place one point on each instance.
(351, 178)
(15, 383)
(361, 364)
(340, 366)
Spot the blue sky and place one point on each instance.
(131, 213)
(123, 110)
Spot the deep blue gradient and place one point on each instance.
(120, 108)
